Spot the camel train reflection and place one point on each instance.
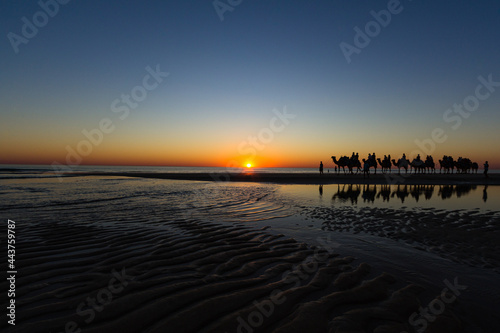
(417, 165)
(370, 193)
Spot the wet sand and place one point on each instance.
(315, 178)
(184, 274)
(192, 276)
(465, 236)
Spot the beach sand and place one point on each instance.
(464, 236)
(202, 277)
(186, 274)
(315, 178)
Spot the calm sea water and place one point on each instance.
(14, 170)
(31, 171)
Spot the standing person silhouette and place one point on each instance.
(486, 167)
(366, 168)
(321, 167)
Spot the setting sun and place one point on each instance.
(249, 165)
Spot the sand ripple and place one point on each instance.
(192, 276)
(464, 236)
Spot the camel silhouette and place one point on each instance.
(401, 163)
(350, 193)
(474, 167)
(446, 165)
(385, 165)
(418, 165)
(345, 161)
(429, 164)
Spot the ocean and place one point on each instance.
(17, 170)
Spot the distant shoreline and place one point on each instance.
(314, 178)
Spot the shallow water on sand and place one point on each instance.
(451, 197)
(457, 222)
(170, 234)
(135, 200)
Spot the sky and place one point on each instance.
(230, 82)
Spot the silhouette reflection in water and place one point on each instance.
(448, 191)
(385, 192)
(369, 193)
(401, 193)
(351, 192)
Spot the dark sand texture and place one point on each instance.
(315, 178)
(188, 276)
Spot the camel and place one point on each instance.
(372, 163)
(342, 162)
(418, 165)
(463, 165)
(447, 164)
(401, 163)
(345, 161)
(357, 164)
(385, 164)
(429, 164)
(474, 167)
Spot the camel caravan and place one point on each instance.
(417, 165)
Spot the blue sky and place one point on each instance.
(226, 77)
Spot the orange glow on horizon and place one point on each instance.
(279, 155)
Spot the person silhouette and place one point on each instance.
(485, 193)
(321, 167)
(486, 167)
(366, 168)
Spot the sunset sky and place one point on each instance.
(269, 84)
